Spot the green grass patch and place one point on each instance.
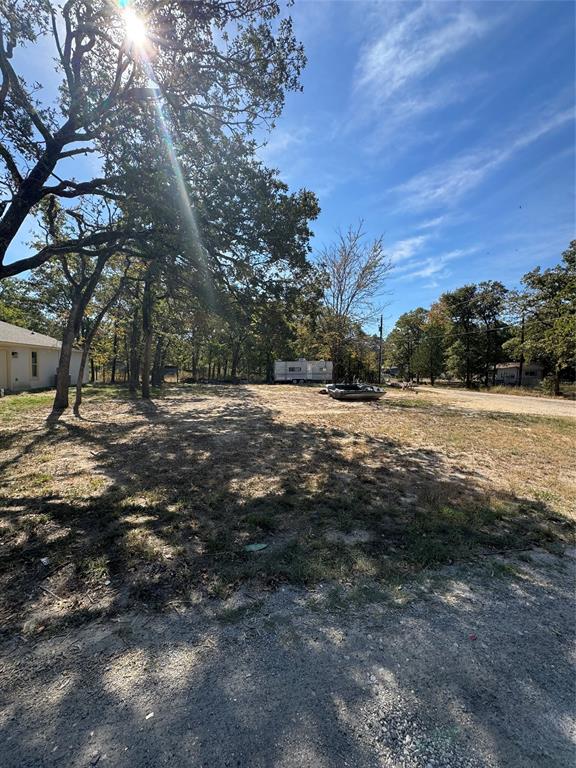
(240, 613)
(501, 570)
(121, 391)
(38, 480)
(25, 402)
(94, 569)
(412, 402)
(261, 521)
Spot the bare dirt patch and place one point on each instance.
(469, 667)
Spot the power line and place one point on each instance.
(480, 331)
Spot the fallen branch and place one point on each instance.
(49, 591)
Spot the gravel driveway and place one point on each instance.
(484, 401)
(471, 667)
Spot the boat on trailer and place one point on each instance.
(354, 392)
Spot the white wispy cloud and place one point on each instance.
(415, 46)
(434, 223)
(414, 259)
(282, 141)
(394, 69)
(405, 250)
(434, 265)
(403, 122)
(447, 183)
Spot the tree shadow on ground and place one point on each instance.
(186, 490)
(294, 687)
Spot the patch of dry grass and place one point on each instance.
(157, 501)
(566, 390)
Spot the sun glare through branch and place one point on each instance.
(135, 26)
(137, 33)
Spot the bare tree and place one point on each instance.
(355, 271)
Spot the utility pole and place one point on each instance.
(521, 364)
(380, 353)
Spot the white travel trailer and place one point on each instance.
(297, 371)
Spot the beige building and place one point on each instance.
(29, 360)
(509, 374)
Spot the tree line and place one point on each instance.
(142, 317)
(468, 332)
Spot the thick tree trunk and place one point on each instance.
(134, 356)
(195, 358)
(114, 355)
(126, 357)
(521, 365)
(82, 294)
(88, 344)
(557, 373)
(29, 194)
(339, 369)
(147, 306)
(269, 369)
(235, 361)
(80, 379)
(158, 364)
(432, 376)
(146, 365)
(63, 373)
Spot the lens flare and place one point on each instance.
(137, 34)
(135, 27)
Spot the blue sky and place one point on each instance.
(446, 127)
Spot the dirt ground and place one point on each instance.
(410, 602)
(472, 667)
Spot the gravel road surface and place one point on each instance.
(470, 667)
(484, 401)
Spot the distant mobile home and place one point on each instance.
(297, 371)
(29, 360)
(509, 374)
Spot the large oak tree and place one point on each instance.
(217, 65)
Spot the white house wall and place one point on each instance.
(19, 365)
(75, 367)
(19, 374)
